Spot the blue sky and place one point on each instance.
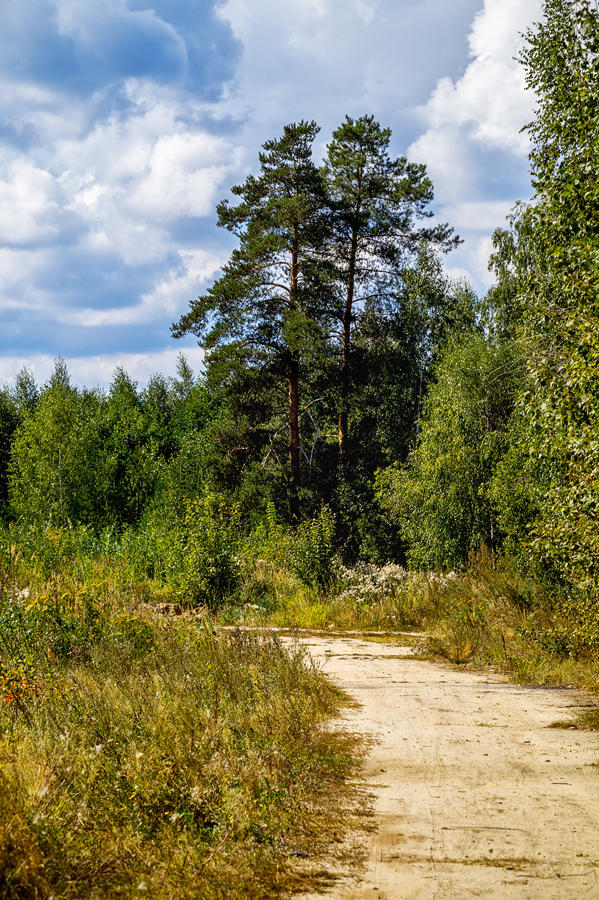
(123, 123)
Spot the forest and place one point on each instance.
(369, 444)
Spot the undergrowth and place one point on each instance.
(146, 757)
(489, 615)
(170, 757)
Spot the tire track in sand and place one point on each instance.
(474, 795)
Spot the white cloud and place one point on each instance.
(168, 297)
(472, 260)
(451, 160)
(29, 204)
(105, 198)
(183, 177)
(490, 98)
(118, 187)
(99, 370)
(474, 215)
(473, 128)
(132, 176)
(325, 58)
(475, 222)
(488, 105)
(97, 194)
(103, 30)
(366, 11)
(19, 270)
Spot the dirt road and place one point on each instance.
(474, 795)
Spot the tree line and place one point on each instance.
(343, 367)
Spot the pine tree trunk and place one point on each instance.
(346, 349)
(293, 412)
(294, 440)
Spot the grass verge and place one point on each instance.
(488, 616)
(153, 758)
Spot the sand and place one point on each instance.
(474, 795)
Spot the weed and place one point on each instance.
(144, 751)
(587, 721)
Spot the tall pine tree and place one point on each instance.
(379, 205)
(271, 303)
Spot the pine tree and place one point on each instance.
(271, 304)
(378, 203)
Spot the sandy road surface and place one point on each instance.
(474, 795)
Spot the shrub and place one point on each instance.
(211, 571)
(311, 550)
(269, 541)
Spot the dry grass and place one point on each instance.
(488, 616)
(156, 758)
(588, 721)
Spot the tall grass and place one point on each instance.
(490, 615)
(156, 758)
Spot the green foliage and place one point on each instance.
(211, 571)
(52, 455)
(86, 458)
(9, 419)
(309, 328)
(50, 547)
(377, 204)
(271, 307)
(128, 453)
(312, 549)
(552, 263)
(269, 540)
(569, 628)
(440, 499)
(500, 308)
(41, 630)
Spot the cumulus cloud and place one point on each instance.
(184, 176)
(324, 58)
(99, 370)
(122, 123)
(94, 211)
(29, 204)
(166, 298)
(472, 141)
(489, 100)
(122, 42)
(132, 176)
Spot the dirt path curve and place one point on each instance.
(474, 795)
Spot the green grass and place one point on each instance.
(588, 721)
(489, 616)
(141, 757)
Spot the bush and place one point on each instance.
(440, 498)
(211, 572)
(569, 626)
(311, 550)
(269, 541)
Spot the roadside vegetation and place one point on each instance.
(370, 446)
(146, 756)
